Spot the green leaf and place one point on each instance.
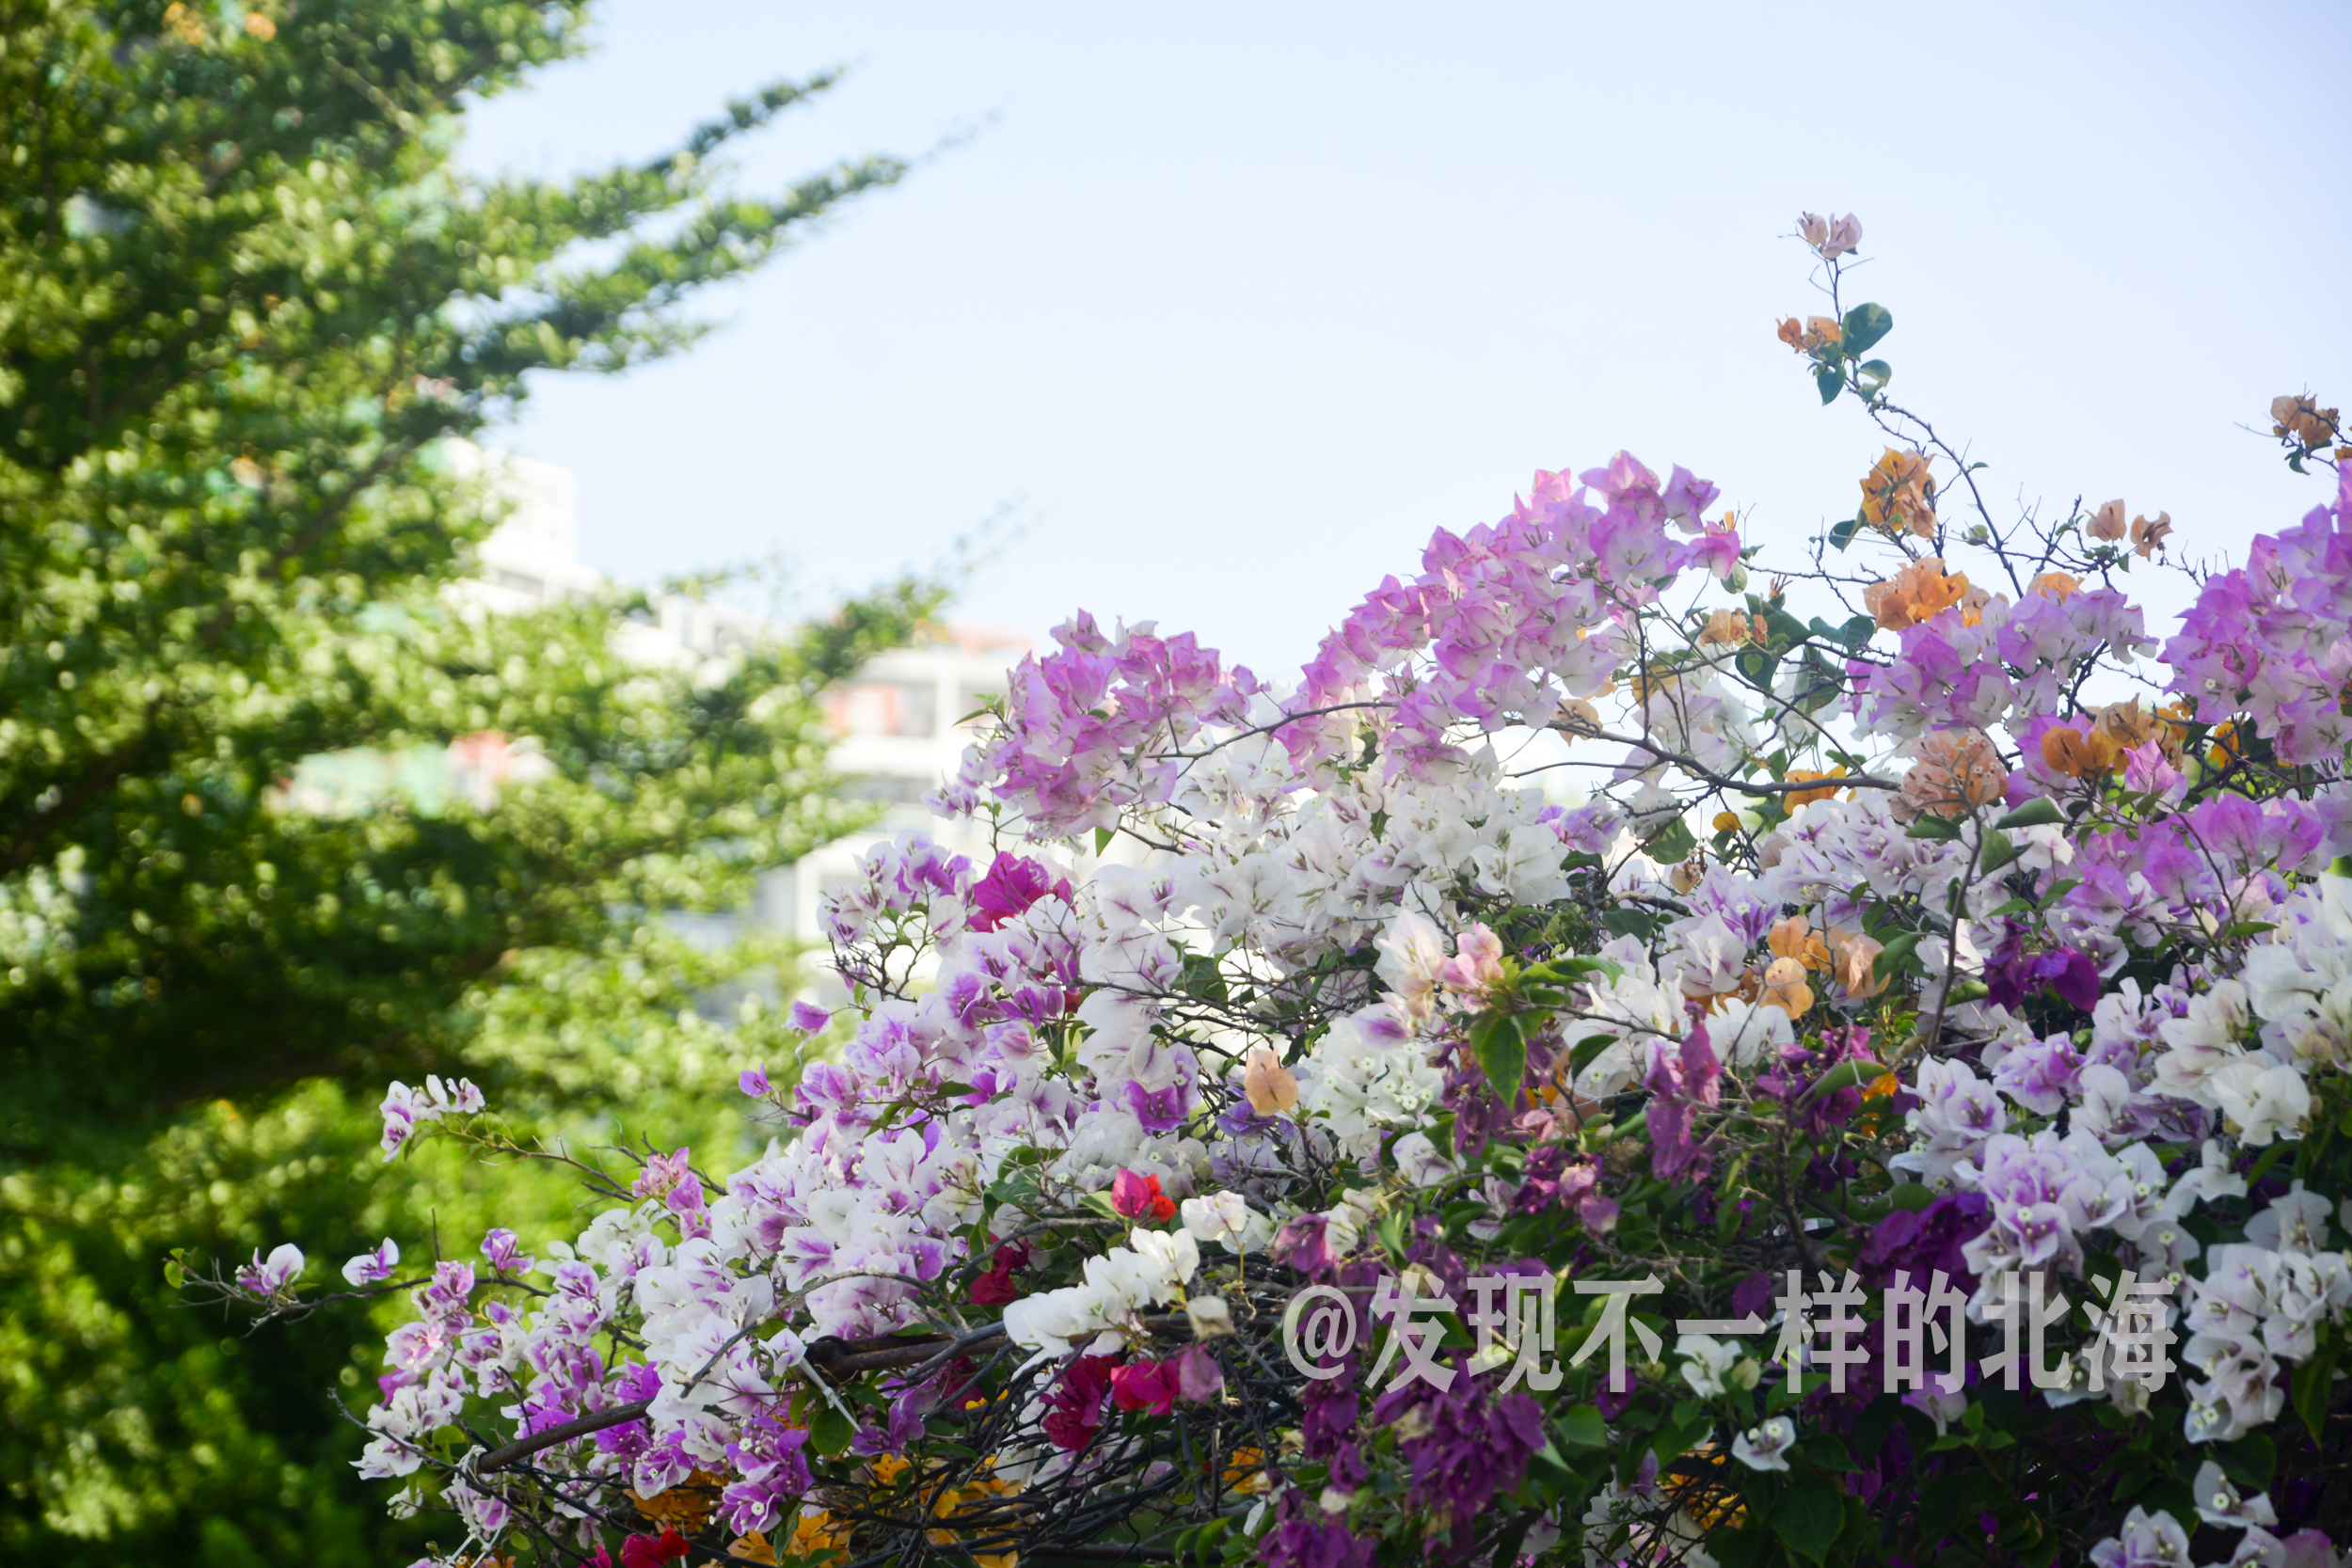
(1928, 825)
(1827, 1451)
(1785, 627)
(2251, 1461)
(829, 1431)
(1103, 837)
(1809, 1516)
(1831, 379)
(174, 1275)
(1845, 1075)
(1628, 922)
(1582, 1427)
(1500, 1048)
(1998, 852)
(2041, 812)
(2314, 1381)
(1841, 532)
(1878, 373)
(1856, 631)
(1671, 844)
(1757, 665)
(1586, 1050)
(1507, 1544)
(1548, 1469)
(1865, 324)
(1897, 956)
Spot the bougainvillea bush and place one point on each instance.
(1912, 931)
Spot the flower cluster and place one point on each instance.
(1576, 909)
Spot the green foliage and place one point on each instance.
(246, 296)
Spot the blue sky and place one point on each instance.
(1239, 302)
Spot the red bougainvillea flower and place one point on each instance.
(1139, 1197)
(644, 1551)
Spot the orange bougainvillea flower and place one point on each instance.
(2147, 537)
(1853, 957)
(1917, 592)
(2295, 419)
(1880, 1087)
(1726, 627)
(1956, 770)
(1702, 1496)
(1792, 333)
(2130, 725)
(1898, 494)
(686, 1507)
(1794, 938)
(1271, 1086)
(2061, 586)
(1806, 775)
(2227, 744)
(2080, 752)
(1785, 987)
(2107, 522)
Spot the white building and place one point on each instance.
(900, 721)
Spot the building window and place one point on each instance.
(886, 707)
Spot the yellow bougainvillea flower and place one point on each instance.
(815, 1531)
(1703, 1496)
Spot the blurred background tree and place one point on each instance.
(246, 296)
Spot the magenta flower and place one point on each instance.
(500, 1247)
(2011, 973)
(1150, 1386)
(1073, 1406)
(1681, 1083)
(1013, 883)
(1138, 1196)
(661, 1173)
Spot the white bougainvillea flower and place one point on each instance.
(1766, 1447)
